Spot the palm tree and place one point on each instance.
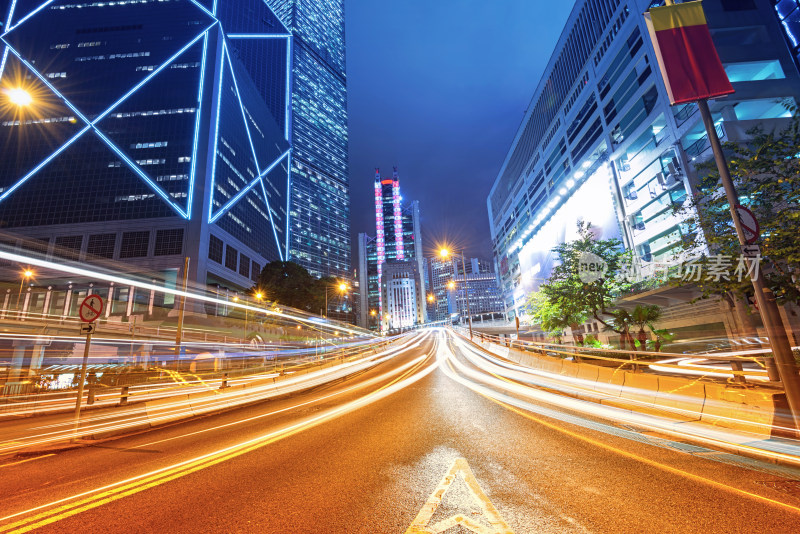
(622, 321)
(645, 316)
(662, 335)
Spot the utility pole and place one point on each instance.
(181, 309)
(765, 298)
(466, 293)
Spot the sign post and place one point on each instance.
(750, 227)
(693, 72)
(90, 309)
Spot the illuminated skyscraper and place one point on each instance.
(398, 239)
(601, 144)
(155, 130)
(320, 198)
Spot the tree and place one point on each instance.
(643, 316)
(289, 284)
(766, 171)
(554, 318)
(576, 292)
(621, 322)
(662, 335)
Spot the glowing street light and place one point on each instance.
(19, 97)
(26, 275)
(444, 253)
(342, 287)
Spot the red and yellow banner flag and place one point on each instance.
(689, 62)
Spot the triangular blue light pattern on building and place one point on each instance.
(131, 132)
(248, 17)
(111, 125)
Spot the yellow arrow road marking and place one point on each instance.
(420, 525)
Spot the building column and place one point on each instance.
(26, 303)
(67, 302)
(129, 308)
(5, 303)
(37, 356)
(17, 361)
(110, 302)
(46, 305)
(152, 298)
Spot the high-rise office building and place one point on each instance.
(398, 238)
(447, 288)
(320, 198)
(402, 295)
(601, 144)
(148, 131)
(484, 296)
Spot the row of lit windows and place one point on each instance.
(103, 57)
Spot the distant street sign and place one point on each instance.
(88, 328)
(91, 308)
(749, 224)
(751, 251)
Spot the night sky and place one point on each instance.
(438, 88)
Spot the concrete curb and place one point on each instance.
(721, 405)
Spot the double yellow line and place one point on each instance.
(156, 478)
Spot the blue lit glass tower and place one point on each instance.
(320, 198)
(156, 129)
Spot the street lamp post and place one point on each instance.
(341, 287)
(26, 275)
(259, 296)
(445, 253)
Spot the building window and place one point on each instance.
(231, 257)
(134, 244)
(753, 71)
(738, 5)
(169, 242)
(215, 249)
(244, 266)
(101, 245)
(37, 245)
(255, 271)
(68, 247)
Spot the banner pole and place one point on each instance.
(767, 306)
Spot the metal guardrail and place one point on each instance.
(579, 354)
(177, 377)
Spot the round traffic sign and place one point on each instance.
(91, 308)
(749, 224)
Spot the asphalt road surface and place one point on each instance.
(402, 447)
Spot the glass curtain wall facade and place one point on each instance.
(155, 130)
(601, 144)
(481, 280)
(484, 296)
(320, 196)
